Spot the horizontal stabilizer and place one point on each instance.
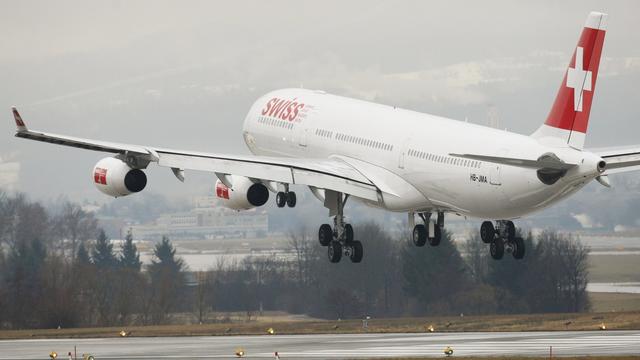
(620, 159)
(546, 161)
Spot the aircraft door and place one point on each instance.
(494, 174)
(302, 136)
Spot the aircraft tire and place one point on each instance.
(291, 199)
(510, 231)
(356, 252)
(518, 252)
(496, 249)
(325, 234)
(281, 199)
(487, 232)
(419, 235)
(348, 233)
(334, 251)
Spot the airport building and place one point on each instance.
(207, 220)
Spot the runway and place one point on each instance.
(334, 346)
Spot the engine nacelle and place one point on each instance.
(243, 195)
(115, 178)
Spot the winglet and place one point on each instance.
(19, 123)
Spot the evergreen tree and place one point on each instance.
(82, 256)
(130, 258)
(167, 280)
(102, 255)
(24, 281)
(3, 290)
(165, 257)
(128, 288)
(84, 285)
(434, 275)
(105, 263)
(509, 276)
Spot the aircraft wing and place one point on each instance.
(620, 159)
(330, 174)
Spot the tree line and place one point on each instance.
(60, 269)
(396, 278)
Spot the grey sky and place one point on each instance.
(183, 74)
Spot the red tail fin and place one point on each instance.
(569, 117)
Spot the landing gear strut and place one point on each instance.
(286, 197)
(339, 240)
(502, 237)
(427, 231)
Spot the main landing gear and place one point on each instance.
(427, 231)
(502, 237)
(339, 239)
(286, 197)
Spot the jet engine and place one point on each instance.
(114, 177)
(244, 194)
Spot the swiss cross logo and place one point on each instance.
(222, 191)
(100, 176)
(578, 79)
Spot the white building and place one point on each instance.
(208, 220)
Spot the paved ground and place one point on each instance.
(334, 346)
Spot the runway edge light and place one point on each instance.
(448, 351)
(240, 352)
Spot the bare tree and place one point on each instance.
(75, 225)
(203, 294)
(476, 257)
(576, 269)
(300, 243)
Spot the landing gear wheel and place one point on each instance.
(291, 199)
(518, 251)
(334, 251)
(325, 234)
(437, 235)
(497, 249)
(419, 235)
(356, 252)
(510, 230)
(487, 232)
(281, 199)
(348, 233)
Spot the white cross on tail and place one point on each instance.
(578, 79)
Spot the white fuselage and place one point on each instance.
(416, 147)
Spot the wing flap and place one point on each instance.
(226, 166)
(326, 174)
(319, 180)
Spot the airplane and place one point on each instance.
(390, 158)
